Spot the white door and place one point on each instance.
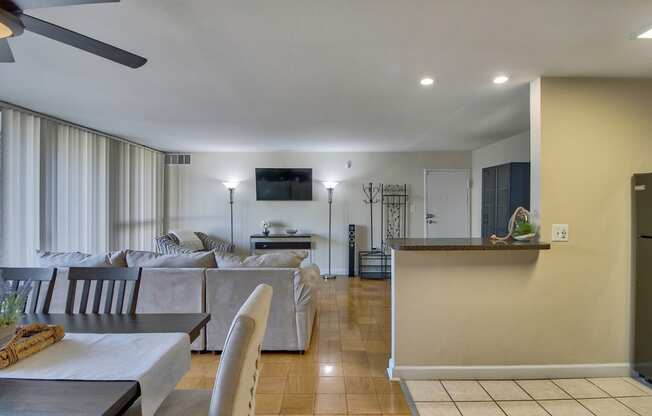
(447, 204)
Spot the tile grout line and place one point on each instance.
(575, 399)
(627, 406)
(491, 397)
(530, 396)
(645, 389)
(451, 397)
(617, 397)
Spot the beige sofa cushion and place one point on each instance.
(149, 259)
(78, 259)
(280, 259)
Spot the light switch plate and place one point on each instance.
(559, 232)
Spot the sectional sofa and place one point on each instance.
(218, 291)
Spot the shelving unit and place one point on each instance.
(374, 264)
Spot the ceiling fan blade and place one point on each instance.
(14, 5)
(5, 52)
(80, 41)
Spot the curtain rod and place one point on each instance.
(77, 126)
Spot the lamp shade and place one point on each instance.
(330, 185)
(231, 185)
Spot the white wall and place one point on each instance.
(512, 149)
(197, 200)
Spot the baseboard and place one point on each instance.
(498, 372)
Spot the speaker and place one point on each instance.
(352, 239)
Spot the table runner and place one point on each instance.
(156, 361)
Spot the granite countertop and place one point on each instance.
(462, 244)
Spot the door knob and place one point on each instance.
(431, 222)
(428, 216)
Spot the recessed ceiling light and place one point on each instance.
(427, 81)
(646, 35)
(501, 79)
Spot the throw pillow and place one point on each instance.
(73, 259)
(187, 260)
(188, 240)
(118, 258)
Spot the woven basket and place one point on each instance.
(29, 340)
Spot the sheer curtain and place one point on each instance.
(74, 189)
(65, 188)
(19, 187)
(137, 184)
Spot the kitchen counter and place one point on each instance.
(463, 244)
(467, 308)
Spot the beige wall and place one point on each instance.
(572, 304)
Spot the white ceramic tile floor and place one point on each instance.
(437, 409)
(618, 396)
(542, 389)
(504, 390)
(518, 408)
(565, 408)
(466, 391)
(580, 388)
(479, 409)
(428, 391)
(607, 407)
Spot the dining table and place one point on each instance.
(31, 397)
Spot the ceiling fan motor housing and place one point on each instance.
(10, 25)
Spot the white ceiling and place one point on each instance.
(321, 74)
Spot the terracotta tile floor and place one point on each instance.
(344, 372)
(560, 397)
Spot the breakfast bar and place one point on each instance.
(464, 306)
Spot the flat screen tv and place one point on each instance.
(274, 184)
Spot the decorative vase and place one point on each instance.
(7, 332)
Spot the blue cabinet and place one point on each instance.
(504, 188)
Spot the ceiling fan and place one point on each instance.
(13, 21)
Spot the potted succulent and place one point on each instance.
(524, 230)
(11, 306)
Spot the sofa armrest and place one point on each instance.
(303, 287)
(173, 290)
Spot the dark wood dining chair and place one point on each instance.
(19, 276)
(102, 275)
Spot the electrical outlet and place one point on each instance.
(559, 232)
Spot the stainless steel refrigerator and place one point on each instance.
(642, 200)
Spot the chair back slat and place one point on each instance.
(109, 296)
(70, 297)
(36, 292)
(100, 275)
(99, 285)
(86, 290)
(121, 295)
(133, 298)
(18, 276)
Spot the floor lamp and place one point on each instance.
(231, 187)
(330, 186)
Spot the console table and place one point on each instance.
(264, 243)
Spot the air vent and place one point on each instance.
(177, 159)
